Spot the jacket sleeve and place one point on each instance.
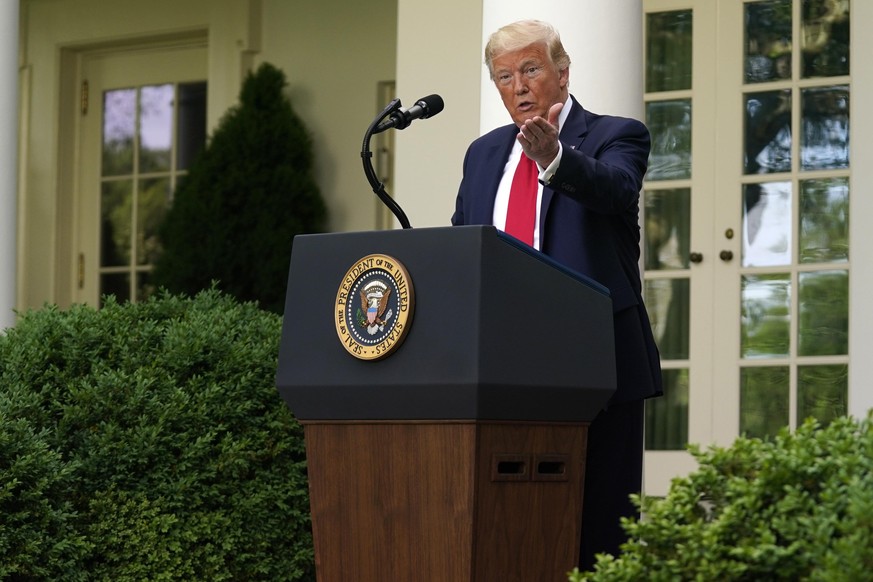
(460, 200)
(605, 172)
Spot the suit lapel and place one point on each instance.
(495, 159)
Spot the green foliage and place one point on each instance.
(148, 442)
(246, 196)
(37, 539)
(797, 507)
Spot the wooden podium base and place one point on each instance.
(445, 500)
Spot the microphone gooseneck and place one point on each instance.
(395, 116)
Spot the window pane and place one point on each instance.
(767, 221)
(824, 313)
(824, 220)
(668, 51)
(763, 401)
(667, 416)
(824, 135)
(668, 228)
(119, 126)
(767, 132)
(822, 392)
(825, 38)
(144, 286)
(156, 128)
(667, 302)
(192, 123)
(154, 199)
(768, 41)
(117, 284)
(115, 218)
(670, 125)
(766, 316)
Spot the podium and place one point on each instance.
(459, 455)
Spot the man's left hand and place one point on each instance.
(539, 137)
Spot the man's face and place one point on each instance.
(528, 82)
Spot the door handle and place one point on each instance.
(695, 257)
(726, 255)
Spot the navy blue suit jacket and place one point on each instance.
(589, 221)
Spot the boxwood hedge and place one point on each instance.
(147, 442)
(796, 507)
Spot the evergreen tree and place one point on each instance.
(245, 197)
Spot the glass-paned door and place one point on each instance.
(677, 213)
(667, 253)
(146, 125)
(746, 219)
(788, 195)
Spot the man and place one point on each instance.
(583, 211)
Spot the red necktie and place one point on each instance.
(522, 211)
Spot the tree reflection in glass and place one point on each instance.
(667, 302)
(824, 38)
(824, 132)
(765, 321)
(153, 201)
(823, 318)
(667, 416)
(767, 132)
(668, 50)
(824, 220)
(768, 41)
(822, 392)
(667, 228)
(116, 198)
(763, 400)
(669, 123)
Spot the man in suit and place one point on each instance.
(582, 210)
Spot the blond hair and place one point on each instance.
(524, 33)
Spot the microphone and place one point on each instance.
(423, 108)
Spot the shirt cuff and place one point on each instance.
(546, 174)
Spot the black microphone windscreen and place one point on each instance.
(432, 103)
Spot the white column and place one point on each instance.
(8, 159)
(604, 39)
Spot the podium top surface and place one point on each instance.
(547, 260)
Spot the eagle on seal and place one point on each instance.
(374, 301)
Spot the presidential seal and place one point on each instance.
(373, 309)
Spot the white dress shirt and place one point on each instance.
(501, 201)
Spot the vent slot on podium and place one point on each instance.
(550, 468)
(510, 467)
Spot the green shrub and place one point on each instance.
(38, 539)
(244, 199)
(148, 442)
(798, 507)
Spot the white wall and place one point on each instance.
(334, 53)
(51, 29)
(438, 47)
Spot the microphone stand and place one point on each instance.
(367, 156)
